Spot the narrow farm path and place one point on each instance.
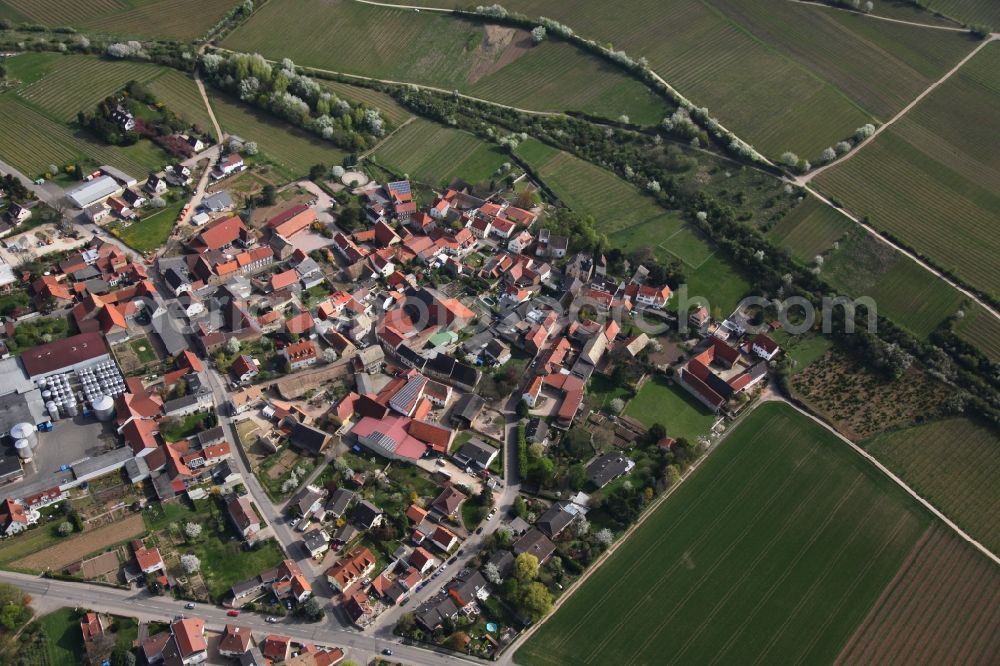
(902, 250)
(804, 179)
(773, 396)
(208, 106)
(879, 18)
(388, 136)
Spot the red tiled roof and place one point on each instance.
(300, 323)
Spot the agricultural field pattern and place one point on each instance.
(536, 333)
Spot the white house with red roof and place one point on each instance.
(765, 347)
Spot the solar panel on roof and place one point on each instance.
(400, 186)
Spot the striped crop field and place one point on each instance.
(811, 228)
(772, 552)
(166, 19)
(179, 93)
(943, 607)
(933, 178)
(905, 292)
(390, 108)
(953, 464)
(970, 11)
(31, 141)
(982, 330)
(782, 75)
(500, 64)
(77, 83)
(292, 150)
(435, 155)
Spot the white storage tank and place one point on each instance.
(23, 449)
(53, 410)
(24, 431)
(104, 407)
(71, 409)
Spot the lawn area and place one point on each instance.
(678, 412)
(497, 63)
(63, 640)
(802, 350)
(224, 561)
(292, 150)
(434, 154)
(720, 282)
(933, 178)
(772, 552)
(176, 429)
(954, 464)
(143, 349)
(167, 19)
(34, 540)
(601, 391)
(152, 231)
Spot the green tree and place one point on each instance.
(526, 567)
(535, 600)
(269, 195)
(522, 409)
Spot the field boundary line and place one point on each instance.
(805, 179)
(388, 136)
(859, 632)
(895, 479)
(682, 260)
(878, 17)
(601, 560)
(208, 106)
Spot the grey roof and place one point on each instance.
(206, 437)
(503, 560)
(105, 462)
(118, 174)
(17, 408)
(604, 469)
(253, 657)
(306, 437)
(345, 533)
(537, 430)
(95, 190)
(477, 451)
(315, 539)
(556, 518)
(305, 499)
(217, 202)
(536, 543)
(468, 407)
(365, 513)
(13, 378)
(338, 502)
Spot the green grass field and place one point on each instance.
(671, 406)
(499, 64)
(77, 83)
(151, 232)
(434, 154)
(390, 108)
(179, 93)
(167, 19)
(811, 228)
(291, 149)
(903, 291)
(63, 640)
(954, 464)
(982, 330)
(933, 178)
(772, 552)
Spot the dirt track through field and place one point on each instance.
(66, 552)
